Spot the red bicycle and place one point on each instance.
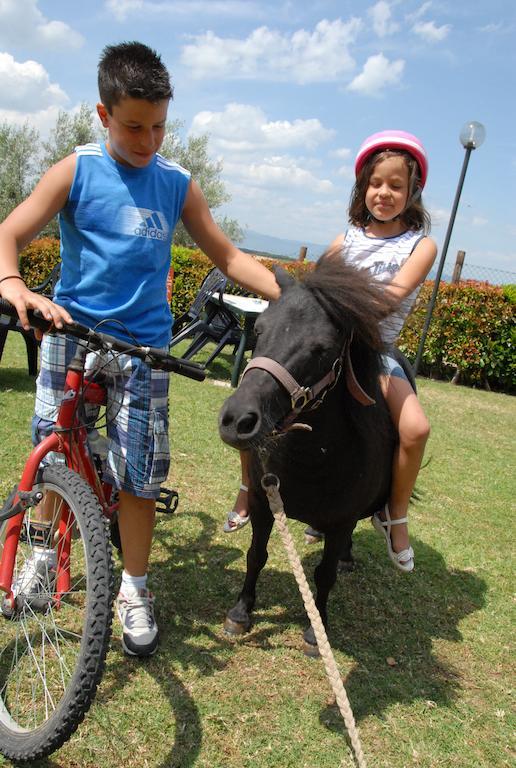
(55, 633)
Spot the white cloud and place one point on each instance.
(430, 32)
(439, 216)
(378, 73)
(343, 153)
(123, 9)
(244, 128)
(283, 171)
(347, 172)
(22, 23)
(24, 84)
(492, 28)
(303, 57)
(288, 213)
(412, 17)
(479, 221)
(381, 17)
(255, 154)
(43, 121)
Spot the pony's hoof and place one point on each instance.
(310, 647)
(312, 536)
(346, 566)
(236, 628)
(311, 650)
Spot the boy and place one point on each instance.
(119, 203)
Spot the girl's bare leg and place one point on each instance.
(413, 428)
(240, 505)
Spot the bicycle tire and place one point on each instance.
(67, 634)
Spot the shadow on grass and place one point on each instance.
(16, 379)
(386, 624)
(375, 614)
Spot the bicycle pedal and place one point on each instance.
(167, 501)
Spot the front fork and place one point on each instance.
(23, 497)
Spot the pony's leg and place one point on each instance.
(346, 562)
(324, 576)
(238, 619)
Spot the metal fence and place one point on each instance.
(461, 270)
(486, 274)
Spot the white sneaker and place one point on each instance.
(36, 580)
(139, 629)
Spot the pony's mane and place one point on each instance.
(350, 296)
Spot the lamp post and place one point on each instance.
(471, 136)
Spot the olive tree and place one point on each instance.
(193, 155)
(19, 146)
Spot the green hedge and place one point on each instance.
(472, 337)
(38, 259)
(191, 267)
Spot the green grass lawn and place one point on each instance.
(206, 701)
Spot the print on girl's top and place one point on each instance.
(383, 257)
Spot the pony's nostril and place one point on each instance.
(247, 423)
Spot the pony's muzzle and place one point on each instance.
(239, 427)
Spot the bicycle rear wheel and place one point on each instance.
(54, 638)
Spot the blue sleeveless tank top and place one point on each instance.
(116, 235)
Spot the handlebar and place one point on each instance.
(97, 340)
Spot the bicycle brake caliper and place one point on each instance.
(25, 499)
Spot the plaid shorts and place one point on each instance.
(136, 412)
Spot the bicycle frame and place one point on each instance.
(70, 437)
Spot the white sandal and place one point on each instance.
(236, 521)
(403, 560)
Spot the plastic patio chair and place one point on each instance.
(9, 324)
(208, 320)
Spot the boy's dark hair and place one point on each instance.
(415, 216)
(134, 70)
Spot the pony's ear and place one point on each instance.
(283, 278)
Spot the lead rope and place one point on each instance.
(270, 484)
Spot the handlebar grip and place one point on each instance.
(190, 370)
(36, 320)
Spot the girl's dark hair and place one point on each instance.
(134, 70)
(415, 216)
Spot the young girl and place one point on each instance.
(387, 235)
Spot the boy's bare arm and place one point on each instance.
(238, 266)
(20, 227)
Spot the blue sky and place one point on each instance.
(288, 90)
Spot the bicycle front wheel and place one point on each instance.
(54, 637)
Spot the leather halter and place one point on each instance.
(311, 397)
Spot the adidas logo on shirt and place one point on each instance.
(142, 222)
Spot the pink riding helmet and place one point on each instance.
(393, 140)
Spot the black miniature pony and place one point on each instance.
(310, 410)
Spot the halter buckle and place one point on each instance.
(300, 398)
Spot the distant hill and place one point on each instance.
(277, 246)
